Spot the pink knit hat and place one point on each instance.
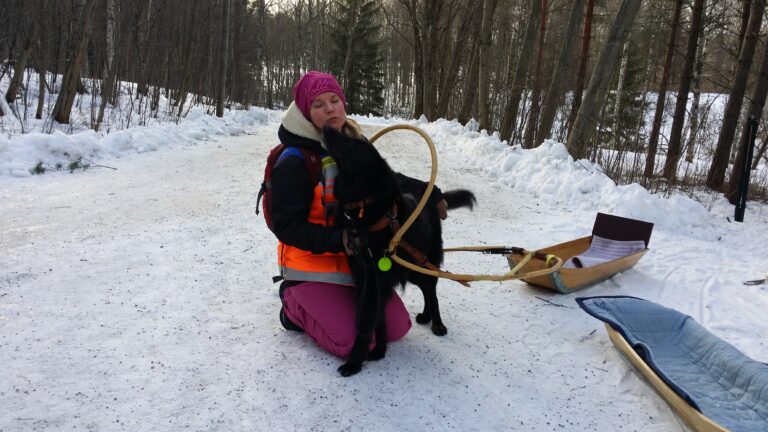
(312, 84)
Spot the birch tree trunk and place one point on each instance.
(509, 120)
(693, 123)
(260, 12)
(555, 90)
(719, 163)
(586, 119)
(678, 119)
(619, 92)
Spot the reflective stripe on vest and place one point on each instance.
(302, 265)
(338, 278)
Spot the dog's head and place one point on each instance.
(353, 156)
(363, 174)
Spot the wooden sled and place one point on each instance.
(567, 280)
(693, 417)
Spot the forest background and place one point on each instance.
(655, 92)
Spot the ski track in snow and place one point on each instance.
(141, 299)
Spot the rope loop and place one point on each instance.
(552, 263)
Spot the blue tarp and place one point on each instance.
(711, 375)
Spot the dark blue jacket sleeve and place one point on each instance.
(292, 194)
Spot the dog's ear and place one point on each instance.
(330, 137)
(347, 151)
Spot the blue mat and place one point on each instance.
(711, 375)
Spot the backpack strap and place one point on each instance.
(311, 158)
(287, 152)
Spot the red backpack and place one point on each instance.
(311, 160)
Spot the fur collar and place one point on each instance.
(295, 123)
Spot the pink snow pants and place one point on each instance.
(327, 313)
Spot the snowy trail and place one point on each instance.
(141, 299)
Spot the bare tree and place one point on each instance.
(142, 42)
(437, 17)
(485, 64)
(761, 151)
(584, 124)
(581, 73)
(719, 163)
(756, 105)
(355, 19)
(108, 79)
(29, 42)
(223, 58)
(411, 6)
(533, 113)
(661, 97)
(521, 72)
(470, 86)
(698, 71)
(555, 90)
(63, 107)
(675, 135)
(745, 12)
(41, 61)
(621, 82)
(469, 18)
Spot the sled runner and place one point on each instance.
(616, 244)
(710, 384)
(757, 281)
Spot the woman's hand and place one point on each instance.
(353, 241)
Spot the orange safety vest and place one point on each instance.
(301, 265)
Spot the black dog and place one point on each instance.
(372, 201)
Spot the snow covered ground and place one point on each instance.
(140, 298)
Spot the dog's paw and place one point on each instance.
(378, 352)
(423, 318)
(349, 369)
(439, 329)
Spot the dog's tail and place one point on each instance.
(458, 198)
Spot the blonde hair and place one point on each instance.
(352, 128)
